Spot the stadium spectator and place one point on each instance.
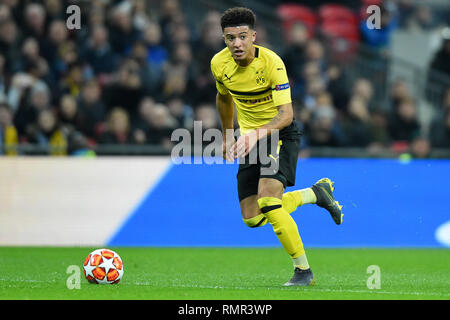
(295, 50)
(420, 148)
(57, 35)
(10, 43)
(404, 124)
(157, 123)
(9, 137)
(30, 53)
(5, 12)
(441, 60)
(150, 77)
(47, 133)
(35, 18)
(206, 113)
(122, 32)
(68, 112)
(141, 15)
(399, 91)
(126, 89)
(180, 73)
(118, 128)
(3, 90)
(54, 9)
(440, 131)
(209, 43)
(363, 89)
(170, 15)
(338, 85)
(262, 37)
(157, 54)
(73, 79)
(31, 99)
(324, 130)
(98, 52)
(181, 112)
(380, 137)
(357, 124)
(91, 108)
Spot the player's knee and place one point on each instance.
(269, 188)
(256, 222)
(268, 204)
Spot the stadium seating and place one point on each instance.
(341, 25)
(334, 13)
(292, 13)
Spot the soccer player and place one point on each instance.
(255, 80)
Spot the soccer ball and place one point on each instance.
(103, 266)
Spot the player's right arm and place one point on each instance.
(224, 103)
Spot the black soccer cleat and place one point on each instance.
(323, 189)
(301, 278)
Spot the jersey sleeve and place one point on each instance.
(281, 90)
(219, 85)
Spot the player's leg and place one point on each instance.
(273, 202)
(321, 193)
(251, 213)
(248, 178)
(270, 192)
(323, 189)
(294, 199)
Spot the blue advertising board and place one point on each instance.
(387, 203)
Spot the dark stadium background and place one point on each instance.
(136, 70)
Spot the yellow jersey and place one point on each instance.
(257, 89)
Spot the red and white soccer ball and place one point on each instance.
(103, 266)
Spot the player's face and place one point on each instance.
(239, 41)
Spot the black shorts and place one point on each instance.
(280, 164)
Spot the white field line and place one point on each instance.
(310, 289)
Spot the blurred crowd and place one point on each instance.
(138, 69)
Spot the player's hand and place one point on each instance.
(226, 149)
(245, 144)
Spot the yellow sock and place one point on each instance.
(301, 262)
(283, 225)
(292, 200)
(257, 221)
(308, 196)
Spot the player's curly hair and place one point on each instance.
(238, 16)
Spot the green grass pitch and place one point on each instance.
(228, 273)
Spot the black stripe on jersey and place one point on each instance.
(256, 52)
(250, 93)
(219, 81)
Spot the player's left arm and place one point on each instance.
(281, 120)
(281, 94)
(246, 142)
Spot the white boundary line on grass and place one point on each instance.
(310, 289)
